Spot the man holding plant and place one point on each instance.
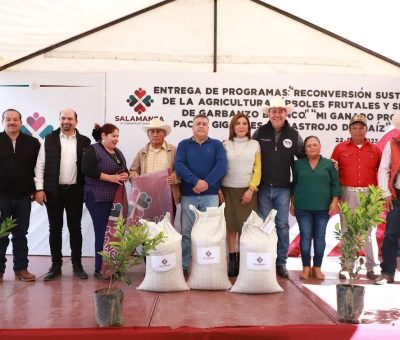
(358, 161)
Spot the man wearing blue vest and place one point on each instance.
(279, 143)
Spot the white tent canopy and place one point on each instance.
(372, 24)
(251, 36)
(30, 25)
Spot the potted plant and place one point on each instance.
(109, 301)
(350, 297)
(6, 226)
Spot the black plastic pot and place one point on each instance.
(109, 307)
(350, 303)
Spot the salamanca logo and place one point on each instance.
(140, 100)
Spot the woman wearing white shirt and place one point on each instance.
(240, 183)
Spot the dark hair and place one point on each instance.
(20, 116)
(309, 137)
(233, 122)
(99, 130)
(200, 115)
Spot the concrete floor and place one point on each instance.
(68, 302)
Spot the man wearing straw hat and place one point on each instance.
(157, 155)
(279, 143)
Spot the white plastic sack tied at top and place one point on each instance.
(209, 264)
(164, 263)
(258, 246)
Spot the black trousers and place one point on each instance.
(70, 199)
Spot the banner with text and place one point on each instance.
(324, 103)
(324, 106)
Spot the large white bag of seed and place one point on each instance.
(209, 263)
(164, 263)
(258, 242)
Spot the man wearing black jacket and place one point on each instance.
(18, 154)
(59, 184)
(279, 143)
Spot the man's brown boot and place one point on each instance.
(25, 276)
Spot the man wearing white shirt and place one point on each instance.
(389, 181)
(59, 184)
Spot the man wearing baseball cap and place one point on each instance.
(358, 163)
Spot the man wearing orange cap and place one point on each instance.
(358, 163)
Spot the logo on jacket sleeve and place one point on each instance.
(287, 143)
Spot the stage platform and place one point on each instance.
(67, 303)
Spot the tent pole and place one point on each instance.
(215, 36)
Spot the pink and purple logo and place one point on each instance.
(36, 126)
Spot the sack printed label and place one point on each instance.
(259, 261)
(208, 255)
(287, 143)
(163, 263)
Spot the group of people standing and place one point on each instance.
(61, 174)
(248, 172)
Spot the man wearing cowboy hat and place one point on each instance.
(279, 143)
(157, 155)
(358, 163)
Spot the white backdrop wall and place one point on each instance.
(40, 97)
(324, 105)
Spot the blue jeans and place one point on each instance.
(19, 209)
(270, 197)
(390, 240)
(99, 211)
(187, 219)
(312, 225)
